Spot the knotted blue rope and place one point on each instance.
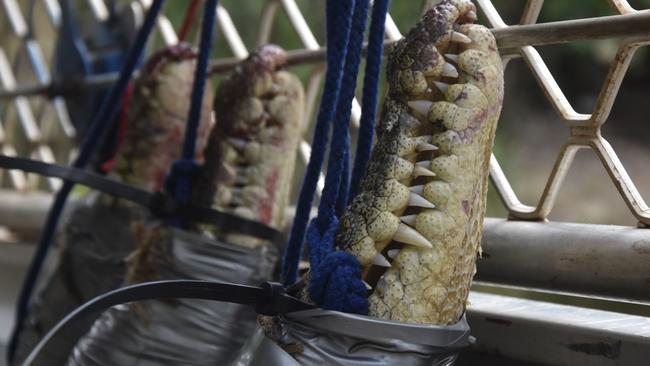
(370, 86)
(338, 285)
(338, 20)
(179, 180)
(103, 119)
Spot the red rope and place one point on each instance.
(108, 165)
(190, 14)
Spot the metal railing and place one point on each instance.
(32, 125)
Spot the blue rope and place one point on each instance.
(183, 170)
(338, 20)
(370, 86)
(339, 157)
(336, 275)
(100, 123)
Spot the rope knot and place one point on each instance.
(335, 275)
(178, 182)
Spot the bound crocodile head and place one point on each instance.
(251, 150)
(415, 227)
(157, 116)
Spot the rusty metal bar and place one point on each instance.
(509, 39)
(553, 334)
(604, 261)
(614, 26)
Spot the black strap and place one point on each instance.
(268, 299)
(161, 205)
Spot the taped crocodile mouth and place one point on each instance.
(450, 45)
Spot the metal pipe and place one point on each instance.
(594, 260)
(509, 39)
(544, 333)
(24, 213)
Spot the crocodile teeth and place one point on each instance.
(241, 179)
(409, 220)
(460, 38)
(471, 15)
(420, 106)
(424, 163)
(238, 143)
(449, 70)
(425, 146)
(417, 189)
(442, 86)
(368, 287)
(420, 171)
(392, 253)
(244, 212)
(416, 200)
(407, 235)
(451, 57)
(381, 261)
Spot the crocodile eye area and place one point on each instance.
(415, 226)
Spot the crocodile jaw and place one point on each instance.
(416, 225)
(250, 155)
(157, 116)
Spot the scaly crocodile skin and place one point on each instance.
(250, 156)
(416, 225)
(157, 118)
(96, 237)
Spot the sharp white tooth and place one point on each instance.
(392, 253)
(418, 201)
(459, 37)
(407, 235)
(420, 171)
(241, 179)
(238, 143)
(425, 146)
(381, 261)
(471, 15)
(409, 220)
(442, 86)
(420, 106)
(368, 287)
(381, 285)
(449, 70)
(452, 57)
(244, 212)
(417, 189)
(424, 163)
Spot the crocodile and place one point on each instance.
(250, 155)
(415, 227)
(157, 116)
(97, 237)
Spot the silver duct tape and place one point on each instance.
(320, 337)
(185, 331)
(95, 240)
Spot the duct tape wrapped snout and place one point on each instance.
(320, 337)
(185, 331)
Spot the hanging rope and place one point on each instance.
(336, 275)
(183, 170)
(339, 19)
(122, 126)
(190, 14)
(335, 281)
(104, 117)
(370, 92)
